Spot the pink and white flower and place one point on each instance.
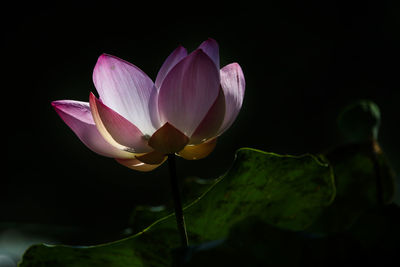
(139, 122)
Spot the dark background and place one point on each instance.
(303, 62)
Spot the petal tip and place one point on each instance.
(199, 53)
(57, 106)
(92, 98)
(104, 58)
(181, 48)
(211, 48)
(101, 58)
(210, 39)
(55, 103)
(104, 55)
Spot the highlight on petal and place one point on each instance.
(154, 157)
(177, 55)
(126, 89)
(194, 152)
(211, 48)
(78, 117)
(212, 122)
(137, 165)
(188, 92)
(233, 84)
(101, 127)
(121, 130)
(168, 139)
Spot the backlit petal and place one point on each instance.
(121, 130)
(102, 128)
(188, 92)
(211, 48)
(137, 165)
(168, 139)
(193, 152)
(153, 107)
(177, 55)
(78, 117)
(233, 84)
(212, 122)
(126, 89)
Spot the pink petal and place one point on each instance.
(177, 55)
(212, 122)
(121, 130)
(125, 88)
(137, 165)
(102, 128)
(188, 92)
(153, 106)
(211, 48)
(78, 117)
(233, 84)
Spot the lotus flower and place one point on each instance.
(139, 122)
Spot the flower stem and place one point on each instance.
(180, 220)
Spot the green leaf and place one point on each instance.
(288, 192)
(285, 191)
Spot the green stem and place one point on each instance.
(180, 220)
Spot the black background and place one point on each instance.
(303, 62)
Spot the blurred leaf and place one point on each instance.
(363, 180)
(251, 242)
(287, 192)
(371, 241)
(360, 121)
(378, 230)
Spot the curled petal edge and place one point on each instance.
(233, 83)
(120, 129)
(77, 115)
(101, 127)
